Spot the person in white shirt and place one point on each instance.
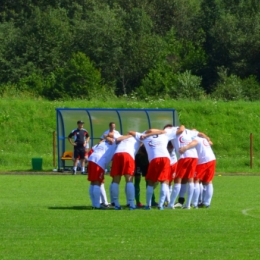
(172, 171)
(123, 164)
(205, 171)
(186, 165)
(112, 129)
(155, 142)
(97, 162)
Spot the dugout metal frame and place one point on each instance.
(140, 120)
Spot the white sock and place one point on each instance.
(91, 195)
(127, 201)
(130, 194)
(82, 169)
(163, 193)
(190, 194)
(115, 193)
(149, 194)
(110, 193)
(175, 192)
(75, 168)
(96, 196)
(208, 194)
(103, 194)
(170, 190)
(196, 194)
(168, 195)
(183, 190)
(201, 193)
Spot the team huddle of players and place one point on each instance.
(191, 173)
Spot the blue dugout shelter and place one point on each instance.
(97, 121)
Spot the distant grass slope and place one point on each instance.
(27, 125)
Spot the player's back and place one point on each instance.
(184, 139)
(156, 146)
(130, 145)
(204, 150)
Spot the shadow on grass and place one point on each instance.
(72, 208)
(86, 208)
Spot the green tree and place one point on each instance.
(77, 79)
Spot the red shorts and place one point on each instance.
(205, 172)
(172, 172)
(122, 164)
(95, 172)
(186, 168)
(158, 169)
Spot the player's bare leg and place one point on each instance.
(75, 164)
(82, 162)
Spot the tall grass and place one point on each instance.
(27, 124)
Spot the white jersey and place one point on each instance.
(115, 132)
(102, 154)
(173, 156)
(130, 145)
(204, 150)
(184, 139)
(156, 145)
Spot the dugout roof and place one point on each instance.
(97, 121)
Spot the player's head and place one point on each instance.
(170, 146)
(110, 134)
(142, 149)
(112, 126)
(167, 126)
(80, 123)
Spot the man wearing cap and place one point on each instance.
(80, 139)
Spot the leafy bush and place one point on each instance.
(77, 79)
(33, 83)
(251, 88)
(189, 86)
(234, 88)
(163, 82)
(229, 87)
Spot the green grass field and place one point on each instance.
(49, 217)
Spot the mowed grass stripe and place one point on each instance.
(49, 217)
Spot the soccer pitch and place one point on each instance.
(49, 217)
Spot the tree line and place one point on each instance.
(169, 48)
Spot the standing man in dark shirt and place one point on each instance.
(80, 137)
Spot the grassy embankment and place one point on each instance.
(27, 125)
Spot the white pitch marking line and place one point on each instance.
(245, 212)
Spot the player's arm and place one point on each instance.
(180, 130)
(192, 144)
(200, 134)
(70, 140)
(151, 132)
(122, 137)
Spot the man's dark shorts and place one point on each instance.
(79, 152)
